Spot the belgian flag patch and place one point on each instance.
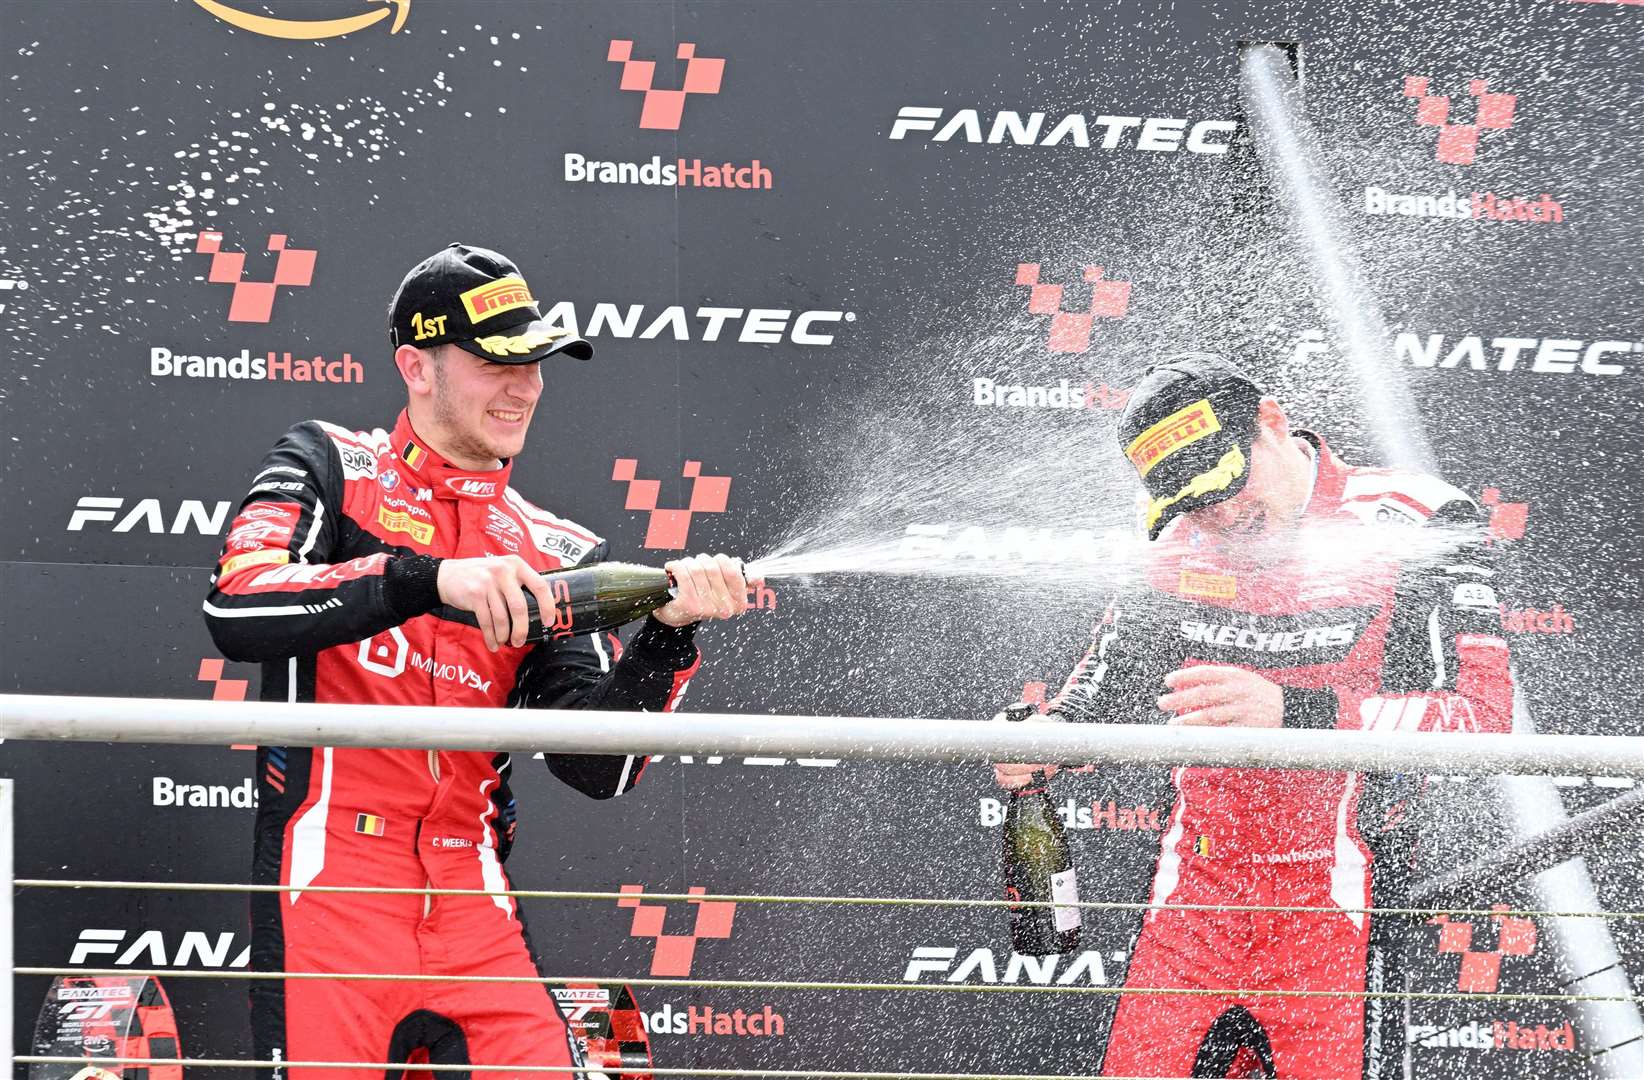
(369, 824)
(411, 454)
(1201, 846)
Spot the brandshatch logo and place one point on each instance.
(664, 108)
(222, 688)
(253, 301)
(1070, 330)
(1457, 143)
(1481, 967)
(675, 952)
(667, 529)
(1507, 519)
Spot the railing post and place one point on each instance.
(7, 982)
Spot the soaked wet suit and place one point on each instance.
(1367, 643)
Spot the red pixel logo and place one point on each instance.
(1481, 968)
(663, 108)
(1458, 142)
(667, 529)
(675, 952)
(1070, 330)
(211, 671)
(1507, 520)
(253, 301)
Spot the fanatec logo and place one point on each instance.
(980, 966)
(676, 952)
(1069, 331)
(1159, 134)
(667, 529)
(663, 109)
(747, 326)
(953, 541)
(1446, 351)
(150, 948)
(148, 515)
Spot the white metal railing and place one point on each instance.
(139, 720)
(159, 720)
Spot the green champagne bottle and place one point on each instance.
(588, 599)
(1039, 869)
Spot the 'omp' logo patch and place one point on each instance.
(399, 521)
(1181, 428)
(495, 297)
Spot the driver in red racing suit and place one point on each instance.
(331, 570)
(1287, 589)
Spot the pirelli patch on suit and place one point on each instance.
(401, 522)
(1211, 586)
(254, 558)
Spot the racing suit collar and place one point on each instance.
(443, 479)
(1329, 474)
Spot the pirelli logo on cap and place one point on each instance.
(369, 824)
(496, 297)
(401, 522)
(1181, 428)
(1211, 586)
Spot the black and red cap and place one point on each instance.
(1188, 430)
(476, 299)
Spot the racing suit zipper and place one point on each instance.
(428, 883)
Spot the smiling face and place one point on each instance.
(471, 411)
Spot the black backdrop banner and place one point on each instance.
(838, 261)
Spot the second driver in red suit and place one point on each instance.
(339, 553)
(1285, 588)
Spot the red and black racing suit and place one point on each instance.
(1359, 635)
(328, 577)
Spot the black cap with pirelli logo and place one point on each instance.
(1188, 430)
(476, 299)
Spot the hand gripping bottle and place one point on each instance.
(588, 599)
(1038, 868)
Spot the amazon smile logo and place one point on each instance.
(311, 29)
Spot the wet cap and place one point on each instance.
(1188, 430)
(475, 299)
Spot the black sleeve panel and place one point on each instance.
(1120, 677)
(276, 592)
